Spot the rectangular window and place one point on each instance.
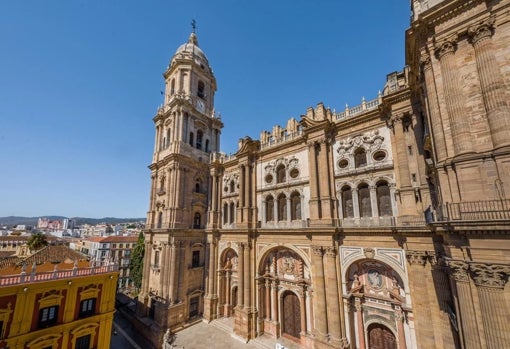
(195, 261)
(83, 342)
(48, 316)
(121, 245)
(87, 307)
(413, 176)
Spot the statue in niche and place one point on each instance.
(272, 267)
(356, 282)
(228, 264)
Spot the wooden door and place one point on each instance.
(380, 337)
(291, 315)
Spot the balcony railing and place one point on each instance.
(367, 222)
(56, 274)
(491, 210)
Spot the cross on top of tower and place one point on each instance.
(193, 25)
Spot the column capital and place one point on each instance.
(416, 257)
(330, 251)
(318, 250)
(446, 46)
(458, 269)
(425, 60)
(489, 275)
(481, 30)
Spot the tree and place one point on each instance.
(37, 241)
(136, 262)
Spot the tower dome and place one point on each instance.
(191, 50)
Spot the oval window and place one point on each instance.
(294, 173)
(343, 163)
(269, 178)
(379, 155)
(225, 189)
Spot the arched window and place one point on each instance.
(360, 157)
(225, 213)
(200, 136)
(269, 209)
(365, 208)
(280, 174)
(232, 186)
(383, 199)
(198, 185)
(200, 89)
(232, 212)
(347, 206)
(191, 138)
(206, 145)
(295, 206)
(172, 87)
(196, 220)
(282, 207)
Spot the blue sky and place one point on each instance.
(81, 81)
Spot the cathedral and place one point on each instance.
(383, 226)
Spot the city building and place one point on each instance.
(385, 225)
(55, 299)
(114, 249)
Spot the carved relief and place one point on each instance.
(458, 270)
(447, 46)
(484, 29)
(370, 141)
(416, 257)
(489, 275)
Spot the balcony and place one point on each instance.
(386, 221)
(475, 211)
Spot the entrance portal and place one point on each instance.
(291, 315)
(380, 337)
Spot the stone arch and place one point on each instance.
(269, 248)
(227, 281)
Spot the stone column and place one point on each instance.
(172, 284)
(268, 300)
(314, 181)
(162, 269)
(302, 310)
(331, 287)
(400, 144)
(274, 301)
(373, 201)
(399, 317)
(435, 120)
(355, 202)
(453, 96)
(247, 277)
(459, 273)
(240, 275)
(319, 301)
(227, 290)
(324, 180)
(214, 192)
(490, 280)
(394, 211)
(359, 321)
(491, 82)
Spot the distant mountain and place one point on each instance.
(16, 220)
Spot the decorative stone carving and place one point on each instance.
(458, 270)
(318, 251)
(484, 29)
(369, 252)
(447, 46)
(370, 141)
(425, 60)
(330, 251)
(416, 257)
(489, 275)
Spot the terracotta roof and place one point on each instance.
(50, 253)
(120, 239)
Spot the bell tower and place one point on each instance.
(187, 132)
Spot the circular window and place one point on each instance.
(379, 155)
(269, 178)
(294, 173)
(343, 163)
(225, 189)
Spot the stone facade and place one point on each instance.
(381, 226)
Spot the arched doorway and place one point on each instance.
(380, 337)
(227, 282)
(291, 315)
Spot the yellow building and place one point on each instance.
(51, 299)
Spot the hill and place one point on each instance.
(17, 220)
